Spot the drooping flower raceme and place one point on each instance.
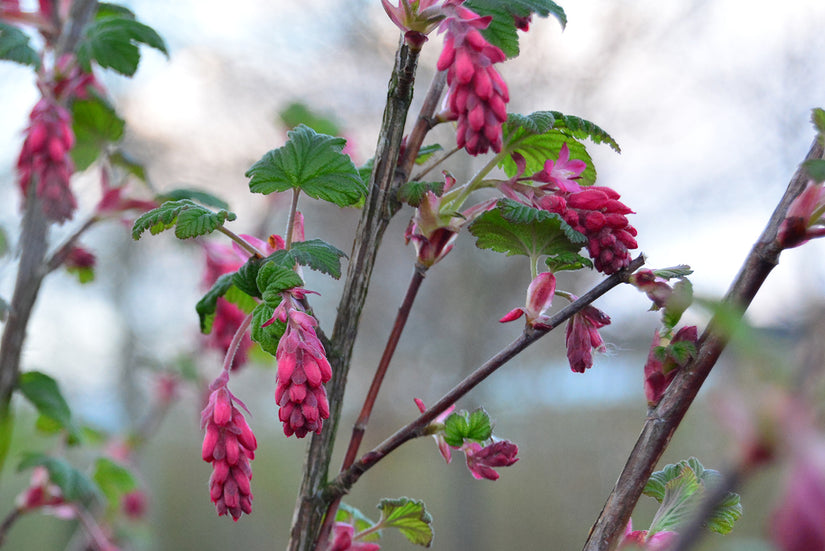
(302, 369)
(229, 445)
(477, 96)
(582, 337)
(481, 460)
(660, 541)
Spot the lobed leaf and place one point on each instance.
(95, 125)
(188, 218)
(74, 485)
(44, 394)
(567, 261)
(351, 515)
(682, 270)
(203, 197)
(410, 517)
(269, 336)
(514, 230)
(14, 46)
(317, 255)
(112, 42)
(114, 481)
(479, 426)
(310, 162)
(208, 304)
(246, 278)
(273, 279)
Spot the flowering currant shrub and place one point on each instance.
(536, 196)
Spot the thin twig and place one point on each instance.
(416, 428)
(663, 420)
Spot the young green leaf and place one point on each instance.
(818, 119)
(678, 502)
(202, 197)
(310, 162)
(479, 426)
(113, 42)
(522, 231)
(426, 152)
(583, 129)
(358, 520)
(268, 336)
(44, 394)
(188, 218)
(456, 428)
(246, 278)
(14, 46)
(84, 274)
(678, 302)
(567, 261)
(298, 113)
(74, 485)
(106, 9)
(410, 517)
(114, 481)
(208, 304)
(96, 125)
(413, 192)
(273, 279)
(316, 255)
(682, 270)
(815, 169)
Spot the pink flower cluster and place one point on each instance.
(539, 299)
(477, 96)
(229, 445)
(660, 541)
(582, 337)
(804, 219)
(44, 165)
(342, 539)
(302, 370)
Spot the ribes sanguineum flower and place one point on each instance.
(302, 370)
(482, 460)
(539, 299)
(415, 18)
(656, 288)
(561, 173)
(436, 428)
(229, 445)
(660, 541)
(582, 337)
(477, 96)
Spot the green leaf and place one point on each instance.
(106, 9)
(413, 192)
(357, 519)
(677, 303)
(14, 46)
(84, 274)
(268, 336)
(4, 242)
(410, 517)
(567, 261)
(202, 197)
(96, 125)
(208, 304)
(317, 255)
(273, 279)
(298, 113)
(815, 169)
(682, 270)
(818, 119)
(479, 426)
(188, 219)
(130, 165)
(680, 488)
(240, 299)
(114, 481)
(75, 485)
(426, 152)
(246, 278)
(6, 431)
(44, 394)
(310, 162)
(540, 136)
(112, 42)
(4, 309)
(514, 229)
(455, 428)
(502, 29)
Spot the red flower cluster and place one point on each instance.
(478, 96)
(482, 460)
(302, 370)
(229, 445)
(44, 160)
(597, 213)
(583, 336)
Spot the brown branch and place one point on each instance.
(416, 428)
(375, 217)
(663, 420)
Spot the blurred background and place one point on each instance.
(710, 102)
